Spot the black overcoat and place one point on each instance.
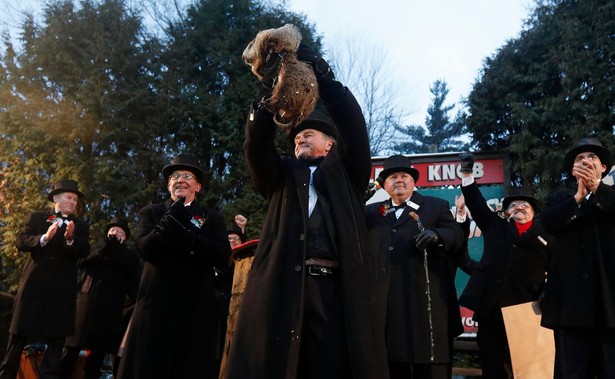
(114, 272)
(408, 332)
(512, 268)
(172, 330)
(45, 302)
(581, 276)
(268, 334)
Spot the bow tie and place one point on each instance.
(396, 207)
(311, 161)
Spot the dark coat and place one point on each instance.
(512, 268)
(45, 302)
(581, 277)
(268, 335)
(408, 333)
(114, 273)
(172, 330)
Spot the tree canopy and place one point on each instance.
(548, 87)
(89, 94)
(439, 134)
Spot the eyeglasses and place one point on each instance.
(516, 205)
(176, 176)
(231, 239)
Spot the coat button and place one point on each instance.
(393, 230)
(383, 271)
(391, 248)
(585, 275)
(298, 268)
(301, 237)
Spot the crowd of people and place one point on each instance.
(331, 288)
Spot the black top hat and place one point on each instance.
(120, 222)
(317, 121)
(64, 185)
(520, 193)
(184, 162)
(398, 163)
(588, 144)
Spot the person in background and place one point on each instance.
(511, 270)
(111, 273)
(579, 298)
(45, 303)
(172, 330)
(406, 229)
(309, 309)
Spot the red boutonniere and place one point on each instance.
(384, 209)
(51, 219)
(198, 221)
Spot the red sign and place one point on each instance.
(469, 325)
(445, 173)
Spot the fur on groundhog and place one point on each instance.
(295, 90)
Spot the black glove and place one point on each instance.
(321, 68)
(467, 163)
(179, 211)
(426, 238)
(173, 231)
(271, 68)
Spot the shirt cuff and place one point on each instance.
(466, 181)
(42, 241)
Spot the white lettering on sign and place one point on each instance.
(469, 322)
(438, 172)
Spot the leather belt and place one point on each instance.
(320, 266)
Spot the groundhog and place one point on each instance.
(295, 90)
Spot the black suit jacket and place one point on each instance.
(512, 268)
(408, 336)
(45, 302)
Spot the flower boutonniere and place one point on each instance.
(53, 218)
(385, 209)
(198, 221)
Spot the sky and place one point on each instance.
(424, 40)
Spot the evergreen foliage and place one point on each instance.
(554, 84)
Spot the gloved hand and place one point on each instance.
(174, 232)
(271, 68)
(179, 211)
(426, 238)
(321, 68)
(467, 163)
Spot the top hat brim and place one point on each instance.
(384, 174)
(531, 200)
(601, 152)
(315, 121)
(62, 190)
(124, 227)
(168, 170)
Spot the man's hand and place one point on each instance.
(467, 163)
(241, 221)
(179, 211)
(426, 238)
(321, 68)
(51, 231)
(460, 205)
(585, 171)
(70, 228)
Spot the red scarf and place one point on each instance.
(522, 228)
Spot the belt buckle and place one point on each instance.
(319, 270)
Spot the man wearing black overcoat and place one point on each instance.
(111, 274)
(45, 302)
(579, 300)
(422, 311)
(172, 332)
(309, 309)
(512, 268)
